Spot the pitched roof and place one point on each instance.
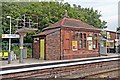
(71, 22)
(44, 33)
(66, 22)
(113, 31)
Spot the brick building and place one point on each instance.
(113, 41)
(66, 39)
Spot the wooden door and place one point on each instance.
(42, 48)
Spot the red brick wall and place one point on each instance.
(112, 35)
(36, 51)
(53, 46)
(80, 54)
(68, 36)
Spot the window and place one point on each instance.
(82, 40)
(80, 35)
(36, 39)
(84, 44)
(95, 43)
(84, 36)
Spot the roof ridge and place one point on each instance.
(62, 22)
(73, 19)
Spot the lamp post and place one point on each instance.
(116, 42)
(9, 55)
(22, 32)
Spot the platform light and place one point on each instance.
(9, 55)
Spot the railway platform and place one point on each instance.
(31, 61)
(61, 68)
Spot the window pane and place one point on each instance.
(84, 44)
(95, 43)
(84, 36)
(80, 35)
(80, 43)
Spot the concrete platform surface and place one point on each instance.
(28, 61)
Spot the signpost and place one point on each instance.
(9, 57)
(24, 29)
(30, 24)
(10, 36)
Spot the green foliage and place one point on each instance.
(118, 28)
(103, 34)
(16, 50)
(48, 13)
(4, 45)
(29, 52)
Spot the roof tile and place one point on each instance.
(71, 22)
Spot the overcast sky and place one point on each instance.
(108, 9)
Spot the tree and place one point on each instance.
(118, 28)
(48, 13)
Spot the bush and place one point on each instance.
(29, 52)
(17, 52)
(16, 49)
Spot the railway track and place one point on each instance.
(55, 64)
(102, 75)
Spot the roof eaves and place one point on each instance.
(38, 35)
(48, 28)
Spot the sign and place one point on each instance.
(90, 45)
(21, 47)
(116, 39)
(74, 45)
(110, 40)
(89, 38)
(10, 36)
(110, 43)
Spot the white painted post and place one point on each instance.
(9, 55)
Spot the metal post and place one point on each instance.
(24, 20)
(116, 43)
(9, 55)
(21, 49)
